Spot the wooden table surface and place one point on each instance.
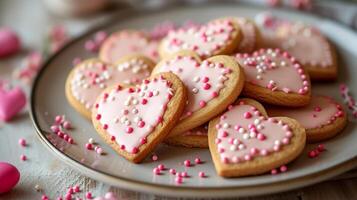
(30, 19)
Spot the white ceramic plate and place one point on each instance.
(48, 99)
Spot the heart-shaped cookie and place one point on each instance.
(195, 138)
(275, 77)
(90, 77)
(307, 44)
(244, 141)
(127, 42)
(212, 85)
(251, 38)
(134, 120)
(12, 101)
(220, 36)
(323, 118)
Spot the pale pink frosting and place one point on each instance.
(131, 114)
(206, 40)
(203, 80)
(126, 43)
(92, 77)
(275, 70)
(243, 133)
(321, 111)
(249, 41)
(305, 43)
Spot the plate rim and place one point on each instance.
(173, 190)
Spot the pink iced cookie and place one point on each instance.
(323, 118)
(135, 120)
(90, 77)
(216, 37)
(274, 76)
(123, 43)
(307, 44)
(250, 35)
(212, 85)
(9, 176)
(244, 141)
(195, 138)
(12, 101)
(9, 42)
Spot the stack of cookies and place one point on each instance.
(240, 90)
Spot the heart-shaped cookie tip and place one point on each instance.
(244, 141)
(323, 118)
(273, 76)
(134, 120)
(90, 77)
(220, 36)
(212, 85)
(127, 42)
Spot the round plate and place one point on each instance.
(48, 100)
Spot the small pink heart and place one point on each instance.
(11, 102)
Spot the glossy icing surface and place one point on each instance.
(275, 70)
(243, 133)
(131, 114)
(92, 77)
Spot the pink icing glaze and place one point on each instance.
(240, 138)
(12, 101)
(298, 39)
(275, 70)
(203, 81)
(248, 43)
(321, 111)
(130, 115)
(205, 40)
(125, 43)
(91, 78)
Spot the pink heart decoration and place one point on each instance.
(12, 101)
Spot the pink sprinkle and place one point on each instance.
(129, 129)
(261, 136)
(274, 171)
(206, 86)
(247, 115)
(317, 109)
(44, 197)
(22, 142)
(67, 125)
(54, 128)
(135, 150)
(70, 140)
(283, 168)
(172, 171)
(141, 124)
(105, 126)
(76, 188)
(89, 146)
(23, 157)
(184, 174)
(58, 119)
(159, 119)
(321, 147)
(202, 103)
(68, 196)
(156, 171)
(198, 160)
(70, 191)
(99, 151)
(187, 163)
(89, 195)
(144, 101)
(201, 174)
(312, 154)
(178, 180)
(154, 157)
(214, 94)
(98, 116)
(205, 79)
(161, 167)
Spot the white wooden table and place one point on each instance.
(30, 19)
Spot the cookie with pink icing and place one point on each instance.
(195, 138)
(306, 43)
(323, 118)
(90, 77)
(217, 37)
(212, 85)
(127, 42)
(251, 38)
(134, 120)
(244, 141)
(274, 76)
